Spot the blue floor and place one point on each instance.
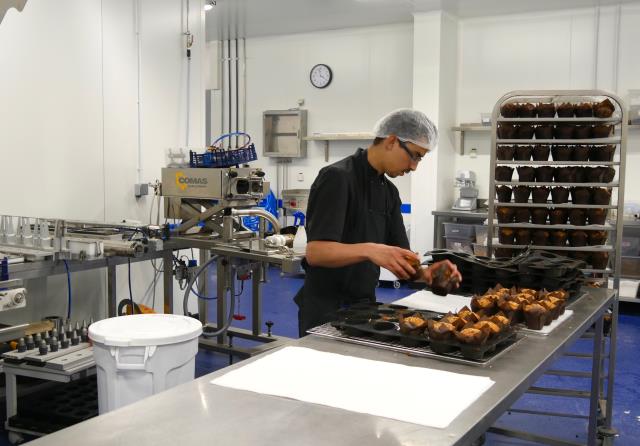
(278, 306)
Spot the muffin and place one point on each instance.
(526, 173)
(560, 153)
(577, 217)
(558, 237)
(558, 216)
(507, 131)
(600, 260)
(582, 132)
(540, 237)
(523, 236)
(580, 195)
(580, 153)
(541, 152)
(602, 131)
(540, 194)
(563, 131)
(603, 109)
(597, 238)
(565, 110)
(503, 253)
(601, 195)
(505, 153)
(535, 316)
(582, 174)
(504, 173)
(504, 194)
(527, 110)
(524, 131)
(546, 110)
(585, 256)
(602, 153)
(544, 131)
(523, 153)
(506, 236)
(539, 216)
(584, 110)
(601, 174)
(521, 194)
(565, 174)
(544, 174)
(578, 238)
(522, 215)
(597, 216)
(509, 110)
(505, 214)
(559, 195)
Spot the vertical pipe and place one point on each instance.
(139, 87)
(222, 84)
(244, 85)
(237, 93)
(230, 88)
(595, 380)
(596, 46)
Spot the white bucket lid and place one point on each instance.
(145, 329)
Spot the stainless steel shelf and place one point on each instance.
(550, 226)
(551, 183)
(634, 300)
(556, 205)
(574, 120)
(597, 271)
(563, 142)
(599, 248)
(558, 163)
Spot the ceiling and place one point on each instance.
(256, 18)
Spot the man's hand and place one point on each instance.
(455, 274)
(393, 258)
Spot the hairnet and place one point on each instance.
(408, 125)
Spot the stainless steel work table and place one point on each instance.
(201, 413)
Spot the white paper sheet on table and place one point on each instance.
(426, 300)
(552, 326)
(433, 397)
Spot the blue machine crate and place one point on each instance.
(223, 158)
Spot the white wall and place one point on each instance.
(372, 75)
(69, 119)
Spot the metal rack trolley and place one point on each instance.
(619, 120)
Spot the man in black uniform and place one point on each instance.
(354, 225)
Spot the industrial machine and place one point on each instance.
(468, 199)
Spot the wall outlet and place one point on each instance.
(300, 177)
(141, 189)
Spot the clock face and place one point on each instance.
(320, 76)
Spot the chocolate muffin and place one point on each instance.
(503, 253)
(526, 173)
(507, 131)
(505, 214)
(580, 153)
(540, 237)
(560, 195)
(521, 194)
(578, 238)
(558, 216)
(523, 236)
(601, 195)
(584, 110)
(504, 194)
(504, 173)
(565, 174)
(505, 153)
(560, 153)
(539, 216)
(546, 110)
(577, 217)
(597, 238)
(506, 236)
(602, 131)
(600, 260)
(525, 131)
(544, 131)
(527, 110)
(540, 194)
(563, 131)
(559, 237)
(602, 153)
(565, 110)
(601, 174)
(509, 110)
(544, 174)
(580, 255)
(582, 174)
(603, 109)
(541, 152)
(582, 132)
(523, 153)
(522, 215)
(597, 216)
(580, 195)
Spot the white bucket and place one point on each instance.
(141, 355)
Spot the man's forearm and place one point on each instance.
(335, 255)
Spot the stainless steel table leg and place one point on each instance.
(256, 299)
(222, 286)
(167, 281)
(203, 286)
(595, 383)
(112, 284)
(11, 394)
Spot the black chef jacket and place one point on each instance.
(349, 202)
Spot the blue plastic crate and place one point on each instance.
(223, 158)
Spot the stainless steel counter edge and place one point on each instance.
(198, 411)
